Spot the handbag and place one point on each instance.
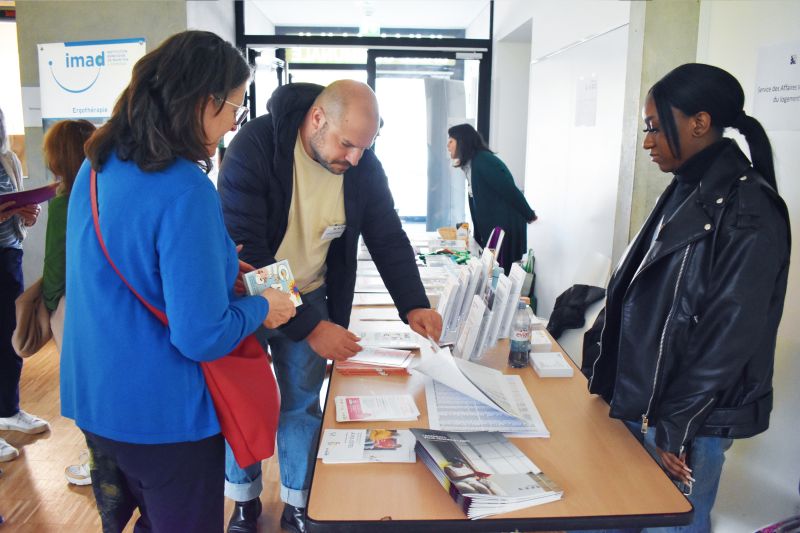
(33, 321)
(241, 384)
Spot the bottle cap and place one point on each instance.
(525, 300)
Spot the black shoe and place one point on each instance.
(293, 519)
(245, 517)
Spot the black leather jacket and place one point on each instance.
(691, 321)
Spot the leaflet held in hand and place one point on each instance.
(276, 276)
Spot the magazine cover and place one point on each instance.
(484, 472)
(277, 276)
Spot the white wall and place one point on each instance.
(571, 172)
(511, 58)
(257, 19)
(212, 15)
(766, 466)
(558, 23)
(10, 93)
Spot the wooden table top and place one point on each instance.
(607, 476)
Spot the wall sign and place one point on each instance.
(83, 79)
(777, 96)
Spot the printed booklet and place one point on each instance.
(277, 276)
(367, 446)
(484, 472)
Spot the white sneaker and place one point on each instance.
(25, 423)
(7, 451)
(79, 474)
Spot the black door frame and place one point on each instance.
(480, 49)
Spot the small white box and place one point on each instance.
(550, 365)
(540, 341)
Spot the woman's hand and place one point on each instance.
(6, 211)
(29, 214)
(281, 308)
(676, 466)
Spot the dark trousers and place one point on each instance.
(177, 487)
(10, 362)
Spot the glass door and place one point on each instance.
(421, 94)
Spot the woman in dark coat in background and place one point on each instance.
(494, 199)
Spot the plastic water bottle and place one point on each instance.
(520, 336)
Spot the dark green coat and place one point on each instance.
(496, 201)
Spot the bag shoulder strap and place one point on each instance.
(96, 218)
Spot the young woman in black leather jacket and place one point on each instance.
(686, 354)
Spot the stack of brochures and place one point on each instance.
(340, 446)
(372, 360)
(484, 473)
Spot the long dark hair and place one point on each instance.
(695, 87)
(468, 143)
(63, 150)
(158, 117)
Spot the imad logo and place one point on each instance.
(81, 72)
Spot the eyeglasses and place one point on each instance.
(241, 112)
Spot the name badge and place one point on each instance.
(333, 232)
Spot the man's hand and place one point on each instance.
(244, 268)
(676, 466)
(281, 308)
(332, 341)
(426, 322)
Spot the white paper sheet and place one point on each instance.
(449, 410)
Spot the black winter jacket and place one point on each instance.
(690, 323)
(255, 185)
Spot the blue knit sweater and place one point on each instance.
(125, 376)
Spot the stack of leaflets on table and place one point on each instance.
(398, 340)
(550, 365)
(367, 446)
(386, 407)
(483, 472)
(372, 360)
(277, 276)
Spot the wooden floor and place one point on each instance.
(35, 497)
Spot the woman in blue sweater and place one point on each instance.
(133, 386)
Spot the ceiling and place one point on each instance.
(444, 14)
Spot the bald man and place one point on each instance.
(302, 184)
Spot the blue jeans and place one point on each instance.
(706, 457)
(300, 373)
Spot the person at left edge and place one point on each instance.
(133, 386)
(14, 221)
(287, 178)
